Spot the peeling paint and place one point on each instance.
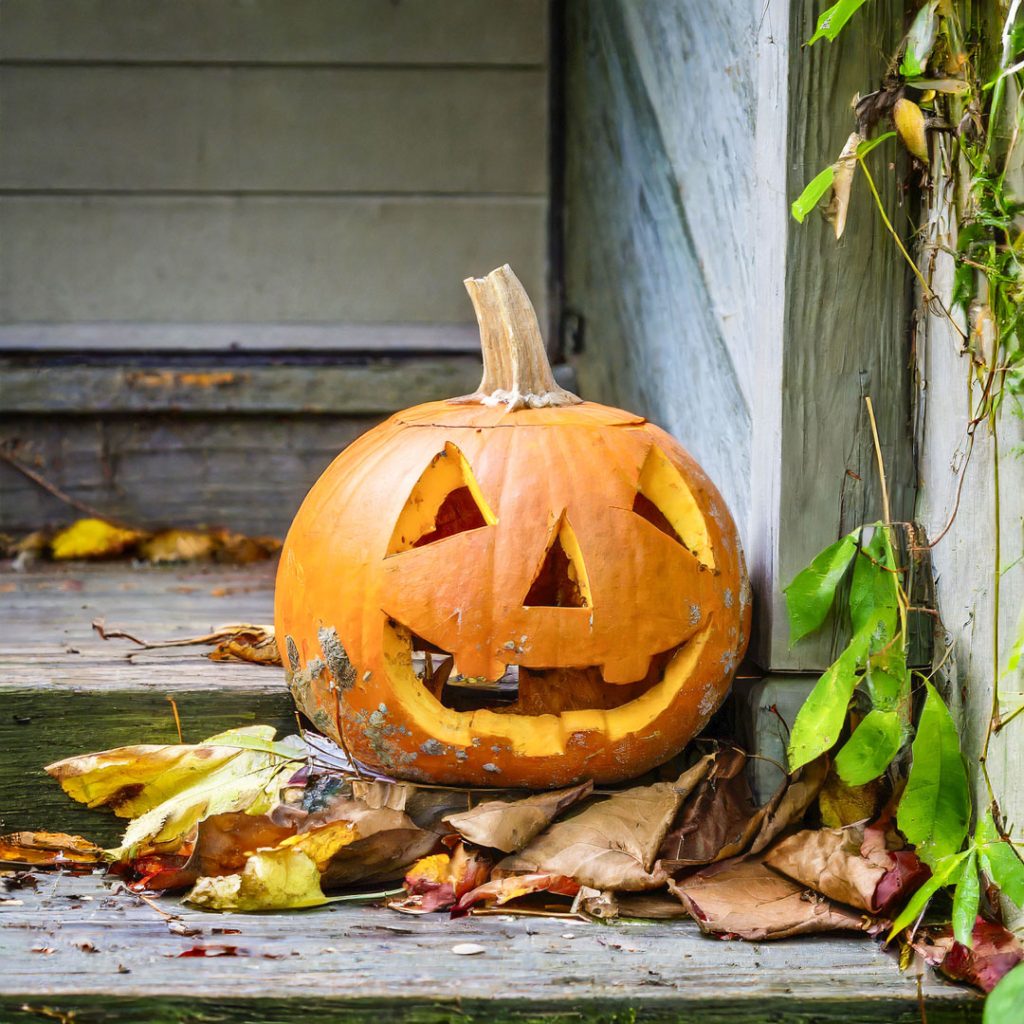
(342, 670)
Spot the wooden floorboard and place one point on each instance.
(341, 963)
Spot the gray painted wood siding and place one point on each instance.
(318, 162)
(692, 127)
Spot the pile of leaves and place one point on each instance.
(242, 822)
(98, 539)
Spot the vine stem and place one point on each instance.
(993, 718)
(929, 295)
(878, 457)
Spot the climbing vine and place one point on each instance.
(956, 110)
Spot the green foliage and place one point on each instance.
(833, 20)
(1005, 1000)
(812, 194)
(873, 606)
(811, 594)
(965, 901)
(999, 860)
(935, 810)
(920, 40)
(871, 748)
(869, 144)
(944, 872)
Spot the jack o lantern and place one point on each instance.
(514, 588)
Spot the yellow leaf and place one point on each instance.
(909, 121)
(92, 538)
(322, 844)
(281, 879)
(178, 546)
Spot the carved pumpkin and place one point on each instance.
(515, 588)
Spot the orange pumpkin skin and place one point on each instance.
(346, 608)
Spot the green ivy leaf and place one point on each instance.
(834, 20)
(965, 902)
(874, 591)
(871, 748)
(812, 592)
(812, 194)
(935, 808)
(820, 719)
(999, 860)
(869, 144)
(887, 680)
(1004, 1001)
(920, 40)
(945, 872)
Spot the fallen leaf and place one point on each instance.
(282, 879)
(611, 844)
(509, 825)
(655, 906)
(50, 849)
(841, 804)
(439, 881)
(255, 645)
(214, 949)
(500, 891)
(829, 860)
(92, 538)
(746, 899)
(790, 802)
(224, 842)
(994, 952)
(238, 549)
(719, 819)
(909, 121)
(169, 789)
(178, 546)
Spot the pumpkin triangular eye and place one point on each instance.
(444, 501)
(561, 581)
(664, 500)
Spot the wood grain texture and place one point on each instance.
(276, 31)
(845, 329)
(640, 206)
(248, 473)
(255, 259)
(977, 639)
(356, 387)
(293, 129)
(345, 963)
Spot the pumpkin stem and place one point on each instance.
(517, 373)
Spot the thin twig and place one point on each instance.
(881, 464)
(177, 720)
(76, 503)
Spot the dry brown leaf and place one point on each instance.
(829, 860)
(500, 891)
(178, 546)
(224, 842)
(718, 820)
(439, 881)
(377, 794)
(790, 803)
(745, 899)
(49, 849)
(255, 645)
(909, 120)
(842, 182)
(509, 825)
(238, 549)
(611, 844)
(656, 906)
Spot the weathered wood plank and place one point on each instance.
(230, 129)
(254, 259)
(248, 473)
(653, 334)
(291, 31)
(267, 337)
(374, 387)
(349, 963)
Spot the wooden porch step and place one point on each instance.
(343, 963)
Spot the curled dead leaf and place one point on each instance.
(439, 881)
(909, 120)
(509, 825)
(92, 538)
(49, 849)
(994, 952)
(611, 844)
(842, 182)
(746, 899)
(500, 891)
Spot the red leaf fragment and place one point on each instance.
(500, 891)
(994, 953)
(213, 949)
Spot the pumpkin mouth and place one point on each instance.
(522, 690)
